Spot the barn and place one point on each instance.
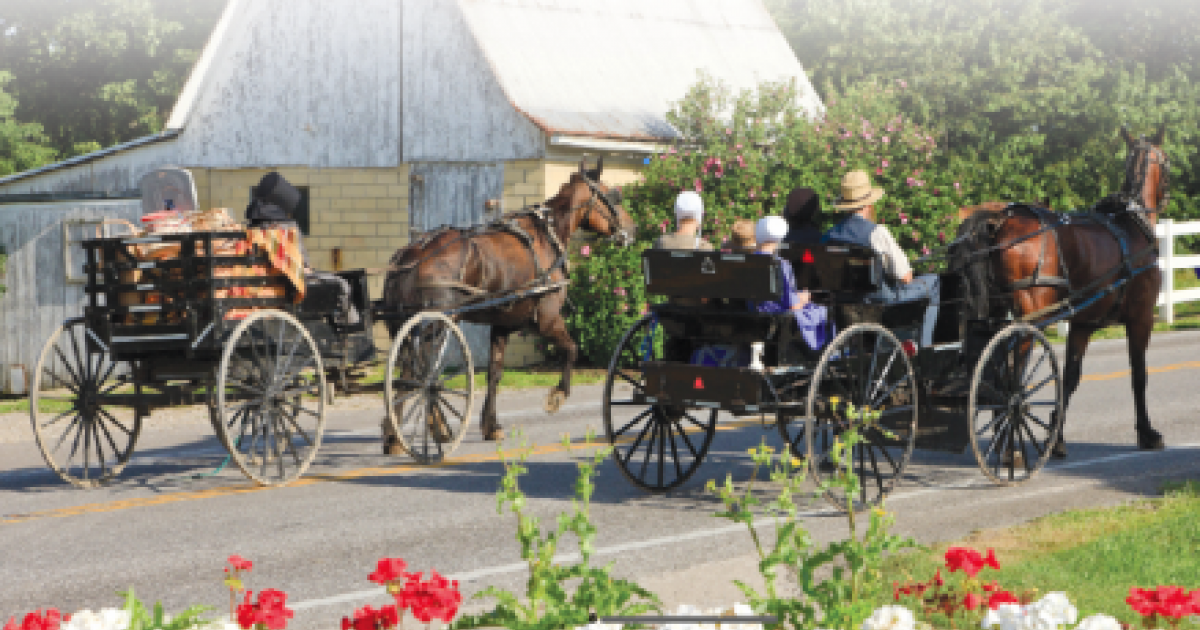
(395, 117)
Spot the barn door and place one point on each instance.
(454, 194)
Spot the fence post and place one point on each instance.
(1166, 248)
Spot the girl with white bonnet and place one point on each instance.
(689, 215)
(811, 319)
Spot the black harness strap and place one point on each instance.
(1047, 222)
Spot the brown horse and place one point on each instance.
(1085, 250)
(453, 267)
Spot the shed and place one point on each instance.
(399, 116)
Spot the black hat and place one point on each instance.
(803, 207)
(274, 200)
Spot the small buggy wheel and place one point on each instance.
(864, 380)
(1016, 398)
(81, 440)
(660, 446)
(429, 387)
(268, 405)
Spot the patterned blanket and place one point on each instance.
(282, 247)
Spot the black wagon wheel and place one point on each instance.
(864, 380)
(659, 447)
(81, 439)
(429, 387)
(1016, 397)
(268, 405)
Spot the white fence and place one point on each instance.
(1168, 261)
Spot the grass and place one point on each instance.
(1093, 555)
(529, 378)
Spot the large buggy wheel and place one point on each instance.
(80, 439)
(268, 403)
(429, 387)
(1016, 399)
(661, 446)
(864, 372)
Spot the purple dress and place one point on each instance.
(811, 320)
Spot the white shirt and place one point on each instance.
(895, 261)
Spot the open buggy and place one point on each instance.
(990, 384)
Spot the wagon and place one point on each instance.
(991, 385)
(203, 318)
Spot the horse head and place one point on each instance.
(596, 207)
(1147, 171)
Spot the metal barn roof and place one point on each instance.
(611, 68)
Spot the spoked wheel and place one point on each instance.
(792, 424)
(864, 380)
(660, 446)
(429, 389)
(79, 437)
(1016, 395)
(268, 405)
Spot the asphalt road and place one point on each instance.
(166, 533)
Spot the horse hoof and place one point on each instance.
(494, 434)
(1059, 450)
(554, 401)
(1150, 440)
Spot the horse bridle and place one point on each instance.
(609, 201)
(1137, 167)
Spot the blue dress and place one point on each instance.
(812, 320)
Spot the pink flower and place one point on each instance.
(698, 185)
(942, 236)
(752, 193)
(920, 182)
(885, 163)
(903, 218)
(956, 186)
(738, 147)
(866, 135)
(843, 163)
(728, 131)
(741, 162)
(774, 194)
(663, 227)
(886, 139)
(925, 251)
(915, 236)
(586, 250)
(903, 84)
(910, 181)
(879, 171)
(619, 291)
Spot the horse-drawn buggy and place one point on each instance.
(228, 317)
(981, 374)
(990, 384)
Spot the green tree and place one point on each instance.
(22, 145)
(99, 73)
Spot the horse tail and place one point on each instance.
(976, 234)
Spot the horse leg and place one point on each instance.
(554, 329)
(1077, 342)
(489, 423)
(1137, 335)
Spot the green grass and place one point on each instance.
(1094, 555)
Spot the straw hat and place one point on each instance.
(743, 233)
(857, 191)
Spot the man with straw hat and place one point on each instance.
(858, 228)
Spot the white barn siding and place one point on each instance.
(302, 83)
(38, 297)
(454, 109)
(116, 173)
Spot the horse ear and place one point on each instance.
(599, 167)
(1129, 141)
(583, 166)
(1161, 136)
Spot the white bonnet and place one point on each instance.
(689, 205)
(770, 229)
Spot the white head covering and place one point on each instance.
(770, 229)
(689, 205)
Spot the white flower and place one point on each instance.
(1059, 608)
(1039, 617)
(106, 619)
(1005, 617)
(1099, 622)
(890, 618)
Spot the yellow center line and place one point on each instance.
(387, 471)
(358, 473)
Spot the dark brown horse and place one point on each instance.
(1086, 251)
(453, 267)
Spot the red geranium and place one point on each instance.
(437, 598)
(389, 570)
(270, 612)
(239, 563)
(367, 618)
(1171, 602)
(972, 601)
(969, 561)
(50, 620)
(1001, 597)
